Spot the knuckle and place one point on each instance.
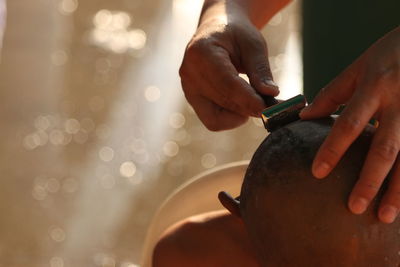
(183, 71)
(193, 46)
(227, 102)
(383, 77)
(367, 191)
(189, 97)
(331, 99)
(236, 98)
(255, 41)
(386, 149)
(330, 153)
(388, 80)
(229, 80)
(227, 92)
(261, 67)
(372, 186)
(187, 90)
(324, 91)
(211, 123)
(390, 71)
(223, 94)
(195, 51)
(197, 47)
(348, 124)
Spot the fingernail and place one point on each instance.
(358, 205)
(321, 169)
(271, 84)
(388, 213)
(305, 109)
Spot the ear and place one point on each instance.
(230, 203)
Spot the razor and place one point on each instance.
(283, 113)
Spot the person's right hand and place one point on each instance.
(222, 47)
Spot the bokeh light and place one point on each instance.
(176, 120)
(171, 148)
(72, 126)
(100, 126)
(57, 234)
(56, 262)
(52, 185)
(39, 192)
(42, 123)
(112, 31)
(106, 154)
(68, 7)
(56, 137)
(152, 94)
(208, 160)
(127, 169)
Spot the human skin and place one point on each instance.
(284, 216)
(370, 87)
(227, 42)
(293, 220)
(210, 239)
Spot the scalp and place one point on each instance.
(290, 215)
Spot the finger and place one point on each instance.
(345, 130)
(213, 116)
(380, 159)
(390, 204)
(226, 89)
(254, 59)
(337, 92)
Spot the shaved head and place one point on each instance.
(294, 219)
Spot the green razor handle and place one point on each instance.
(283, 113)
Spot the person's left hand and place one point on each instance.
(370, 87)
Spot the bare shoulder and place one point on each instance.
(209, 239)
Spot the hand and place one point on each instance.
(225, 44)
(370, 87)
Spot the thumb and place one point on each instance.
(254, 59)
(336, 93)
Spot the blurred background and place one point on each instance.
(95, 130)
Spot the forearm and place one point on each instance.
(258, 11)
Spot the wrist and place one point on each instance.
(223, 11)
(259, 12)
